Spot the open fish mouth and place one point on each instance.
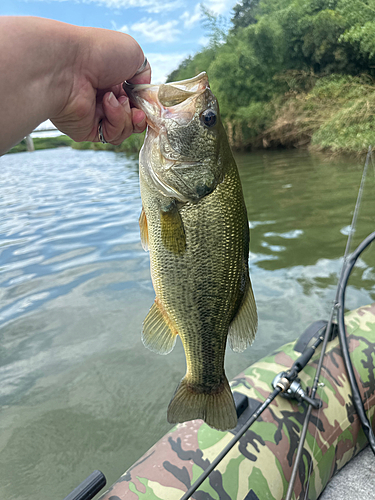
(194, 85)
(167, 101)
(180, 150)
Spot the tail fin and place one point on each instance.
(217, 410)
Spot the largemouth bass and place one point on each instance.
(194, 224)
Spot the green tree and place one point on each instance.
(192, 66)
(244, 13)
(362, 39)
(216, 27)
(279, 48)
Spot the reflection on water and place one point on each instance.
(78, 388)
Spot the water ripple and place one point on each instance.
(75, 288)
(62, 211)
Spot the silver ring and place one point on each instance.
(144, 64)
(100, 133)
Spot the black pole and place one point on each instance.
(357, 400)
(306, 422)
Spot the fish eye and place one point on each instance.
(208, 117)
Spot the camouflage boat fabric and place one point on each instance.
(260, 464)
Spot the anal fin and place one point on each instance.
(245, 323)
(158, 334)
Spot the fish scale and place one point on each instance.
(211, 264)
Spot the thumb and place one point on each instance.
(114, 57)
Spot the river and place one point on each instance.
(78, 390)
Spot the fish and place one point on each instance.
(194, 224)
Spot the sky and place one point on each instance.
(167, 30)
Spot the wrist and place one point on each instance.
(59, 68)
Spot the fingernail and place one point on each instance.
(124, 100)
(112, 100)
(139, 127)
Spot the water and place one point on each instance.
(78, 390)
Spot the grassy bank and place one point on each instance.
(131, 145)
(337, 115)
(334, 114)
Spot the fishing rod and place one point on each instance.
(357, 400)
(338, 310)
(89, 487)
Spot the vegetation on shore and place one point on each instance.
(293, 73)
(132, 145)
(43, 143)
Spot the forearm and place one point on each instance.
(36, 58)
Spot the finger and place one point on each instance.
(139, 120)
(114, 58)
(117, 123)
(118, 90)
(143, 77)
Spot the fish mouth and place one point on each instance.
(173, 100)
(195, 84)
(169, 107)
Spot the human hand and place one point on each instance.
(104, 59)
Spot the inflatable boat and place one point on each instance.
(259, 466)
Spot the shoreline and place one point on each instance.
(132, 145)
(263, 142)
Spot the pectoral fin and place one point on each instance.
(244, 325)
(144, 230)
(172, 230)
(159, 334)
